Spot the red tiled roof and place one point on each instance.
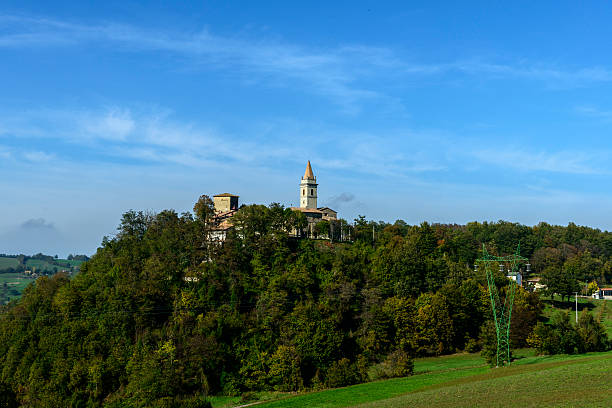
(307, 210)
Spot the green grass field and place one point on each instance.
(14, 281)
(72, 262)
(8, 263)
(18, 281)
(463, 380)
(573, 382)
(41, 265)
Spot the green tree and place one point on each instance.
(592, 333)
(322, 229)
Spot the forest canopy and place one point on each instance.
(161, 316)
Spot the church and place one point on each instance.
(226, 205)
(308, 200)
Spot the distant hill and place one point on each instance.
(18, 271)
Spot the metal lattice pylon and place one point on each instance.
(502, 312)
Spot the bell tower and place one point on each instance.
(308, 189)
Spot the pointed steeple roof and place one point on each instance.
(308, 173)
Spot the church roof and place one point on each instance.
(225, 195)
(307, 210)
(308, 173)
(328, 209)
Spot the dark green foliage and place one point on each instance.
(397, 364)
(488, 338)
(342, 373)
(562, 336)
(8, 399)
(161, 317)
(592, 333)
(525, 313)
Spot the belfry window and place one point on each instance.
(311, 191)
(303, 192)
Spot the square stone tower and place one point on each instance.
(225, 202)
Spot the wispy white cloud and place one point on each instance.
(148, 135)
(113, 125)
(346, 75)
(553, 76)
(38, 156)
(593, 112)
(20, 154)
(4, 153)
(569, 162)
(156, 136)
(332, 73)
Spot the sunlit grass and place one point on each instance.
(462, 380)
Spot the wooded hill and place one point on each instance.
(161, 317)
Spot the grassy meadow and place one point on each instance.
(40, 265)
(8, 262)
(15, 281)
(463, 380)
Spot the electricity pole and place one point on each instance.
(576, 295)
(502, 311)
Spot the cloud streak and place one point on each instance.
(568, 162)
(593, 112)
(340, 74)
(155, 136)
(330, 73)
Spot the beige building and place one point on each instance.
(225, 202)
(226, 205)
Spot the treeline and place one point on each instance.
(161, 316)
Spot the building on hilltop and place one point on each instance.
(226, 202)
(308, 203)
(226, 205)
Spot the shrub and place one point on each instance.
(472, 346)
(342, 373)
(563, 337)
(397, 364)
(284, 373)
(592, 334)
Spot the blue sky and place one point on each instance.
(442, 112)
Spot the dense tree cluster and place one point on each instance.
(561, 336)
(160, 316)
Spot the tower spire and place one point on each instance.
(308, 174)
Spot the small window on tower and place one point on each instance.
(303, 192)
(311, 191)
